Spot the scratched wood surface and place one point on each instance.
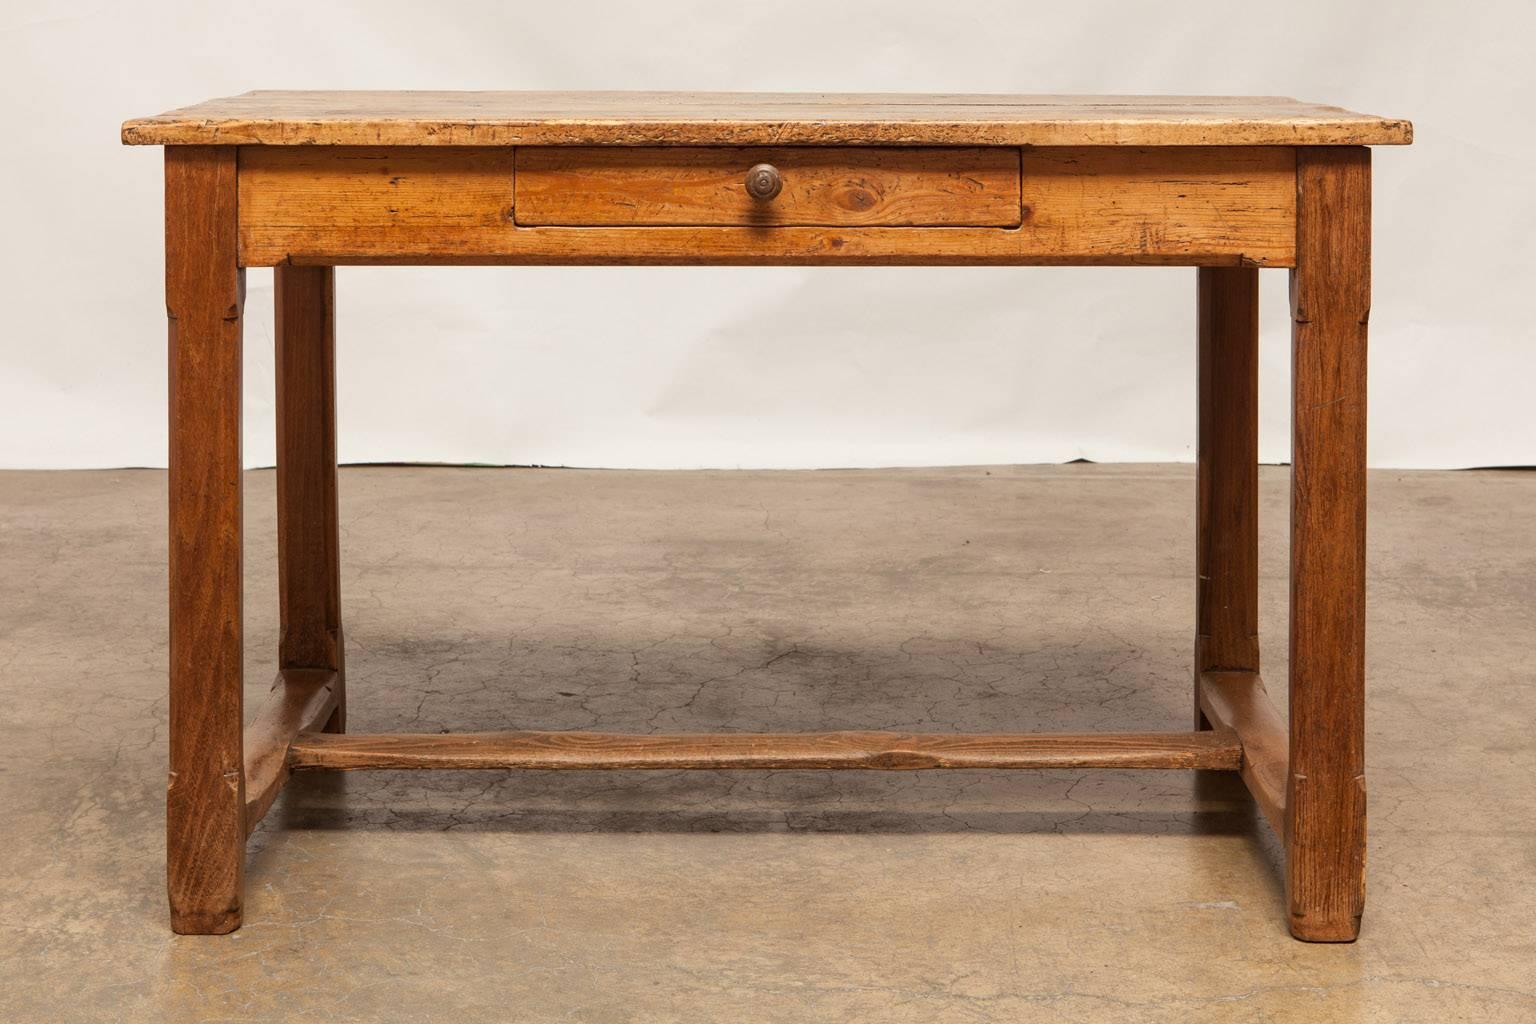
(1192, 206)
(1167, 200)
(462, 193)
(689, 118)
(588, 186)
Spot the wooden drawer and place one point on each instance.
(693, 186)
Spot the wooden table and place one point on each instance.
(307, 181)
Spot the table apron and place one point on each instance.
(1169, 205)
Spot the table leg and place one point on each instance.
(1330, 298)
(308, 537)
(205, 799)
(1227, 475)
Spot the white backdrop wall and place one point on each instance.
(767, 367)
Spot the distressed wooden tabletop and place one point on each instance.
(720, 118)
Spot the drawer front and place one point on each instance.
(687, 186)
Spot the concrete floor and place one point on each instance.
(1054, 598)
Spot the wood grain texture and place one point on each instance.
(1139, 201)
(1227, 471)
(845, 750)
(205, 799)
(584, 186)
(1239, 702)
(308, 524)
(301, 700)
(1331, 301)
(1212, 206)
(417, 198)
(757, 119)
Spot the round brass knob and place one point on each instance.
(764, 182)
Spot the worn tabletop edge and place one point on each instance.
(830, 118)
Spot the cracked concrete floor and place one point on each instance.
(1008, 598)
